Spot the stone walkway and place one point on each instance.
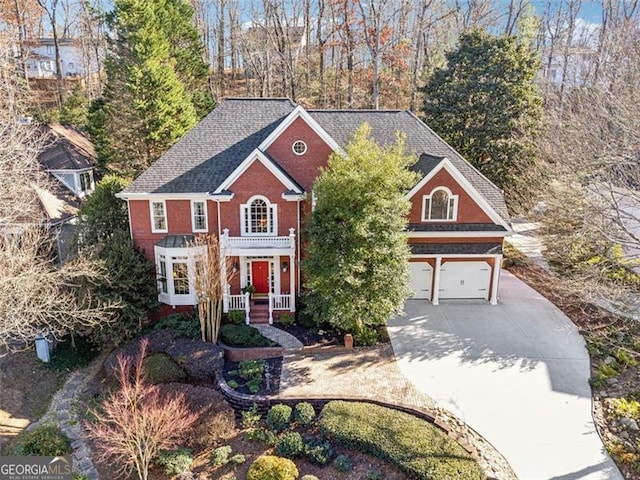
(282, 338)
(374, 375)
(63, 413)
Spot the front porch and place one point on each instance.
(259, 309)
(263, 277)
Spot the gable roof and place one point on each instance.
(66, 149)
(209, 153)
(213, 149)
(421, 141)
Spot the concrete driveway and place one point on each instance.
(517, 373)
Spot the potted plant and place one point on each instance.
(250, 289)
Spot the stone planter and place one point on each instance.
(239, 354)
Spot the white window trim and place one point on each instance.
(294, 150)
(193, 216)
(426, 215)
(153, 223)
(191, 254)
(272, 208)
(91, 188)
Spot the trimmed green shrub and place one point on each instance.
(161, 368)
(279, 417)
(176, 462)
(413, 445)
(181, 325)
(244, 336)
(237, 459)
(268, 467)
(366, 336)
(237, 317)
(43, 441)
(304, 413)
(290, 445)
(251, 417)
(265, 436)
(232, 384)
(286, 319)
(251, 369)
(309, 477)
(67, 357)
(343, 463)
(373, 475)
(79, 476)
(220, 456)
(319, 451)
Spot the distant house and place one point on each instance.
(40, 58)
(246, 174)
(69, 158)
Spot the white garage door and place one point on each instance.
(420, 283)
(465, 280)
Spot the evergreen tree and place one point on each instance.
(356, 267)
(485, 104)
(103, 214)
(156, 84)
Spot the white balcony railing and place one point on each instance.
(279, 302)
(257, 242)
(236, 302)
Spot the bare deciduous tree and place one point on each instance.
(136, 422)
(212, 275)
(35, 295)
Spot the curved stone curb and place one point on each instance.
(443, 420)
(62, 413)
(282, 338)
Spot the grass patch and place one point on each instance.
(413, 445)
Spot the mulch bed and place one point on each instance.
(319, 338)
(272, 365)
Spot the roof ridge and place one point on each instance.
(354, 110)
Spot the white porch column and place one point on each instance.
(292, 287)
(436, 281)
(495, 280)
(292, 271)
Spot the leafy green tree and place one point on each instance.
(485, 103)
(128, 274)
(356, 265)
(156, 84)
(129, 282)
(102, 214)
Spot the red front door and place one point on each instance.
(260, 276)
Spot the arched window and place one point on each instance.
(441, 205)
(259, 217)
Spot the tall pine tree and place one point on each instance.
(156, 84)
(485, 103)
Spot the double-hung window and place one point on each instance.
(199, 216)
(158, 216)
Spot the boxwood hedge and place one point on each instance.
(415, 446)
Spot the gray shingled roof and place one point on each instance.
(456, 248)
(208, 154)
(65, 149)
(455, 227)
(421, 141)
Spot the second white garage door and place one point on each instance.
(465, 280)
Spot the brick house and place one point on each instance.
(246, 173)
